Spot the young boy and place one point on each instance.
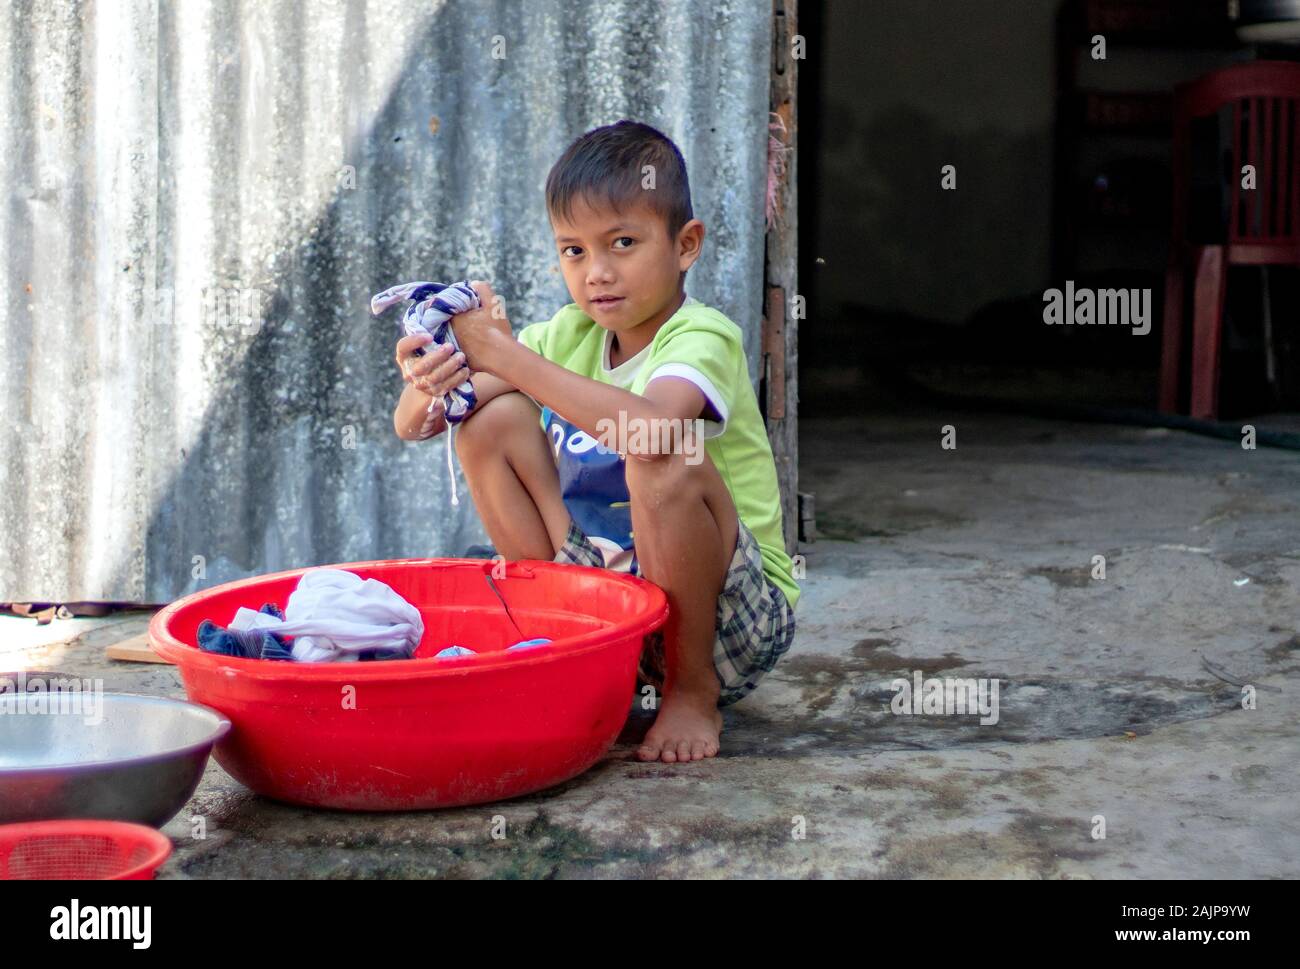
(632, 351)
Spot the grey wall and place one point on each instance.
(157, 155)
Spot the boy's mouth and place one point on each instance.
(606, 302)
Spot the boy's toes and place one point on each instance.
(682, 733)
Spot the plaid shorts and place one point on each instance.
(755, 624)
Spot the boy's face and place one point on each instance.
(627, 255)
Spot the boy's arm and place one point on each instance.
(598, 408)
(590, 404)
(411, 413)
(486, 386)
(412, 408)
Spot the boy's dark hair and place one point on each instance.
(606, 164)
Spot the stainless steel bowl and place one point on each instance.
(140, 762)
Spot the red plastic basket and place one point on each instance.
(55, 850)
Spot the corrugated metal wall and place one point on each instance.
(201, 198)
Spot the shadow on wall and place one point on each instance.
(267, 480)
(297, 452)
(895, 238)
(292, 455)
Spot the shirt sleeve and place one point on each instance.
(533, 336)
(708, 359)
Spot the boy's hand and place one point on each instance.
(475, 330)
(436, 373)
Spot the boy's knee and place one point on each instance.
(655, 480)
(488, 425)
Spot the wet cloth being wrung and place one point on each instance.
(432, 307)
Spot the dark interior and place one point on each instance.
(1063, 167)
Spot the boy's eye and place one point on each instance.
(565, 250)
(629, 239)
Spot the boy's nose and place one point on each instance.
(599, 274)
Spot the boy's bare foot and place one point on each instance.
(687, 728)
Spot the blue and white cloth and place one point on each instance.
(451, 652)
(336, 616)
(249, 643)
(432, 305)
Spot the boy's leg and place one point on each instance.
(685, 527)
(512, 477)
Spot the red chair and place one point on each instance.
(1263, 225)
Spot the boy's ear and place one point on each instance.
(690, 241)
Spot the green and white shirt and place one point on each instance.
(701, 345)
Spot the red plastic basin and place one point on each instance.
(419, 733)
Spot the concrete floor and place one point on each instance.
(973, 562)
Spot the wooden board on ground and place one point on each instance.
(133, 650)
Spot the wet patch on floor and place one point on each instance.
(1030, 846)
(848, 704)
(1264, 572)
(456, 844)
(821, 678)
(844, 528)
(1076, 578)
(858, 520)
(1246, 506)
(1287, 652)
(1036, 709)
(947, 796)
